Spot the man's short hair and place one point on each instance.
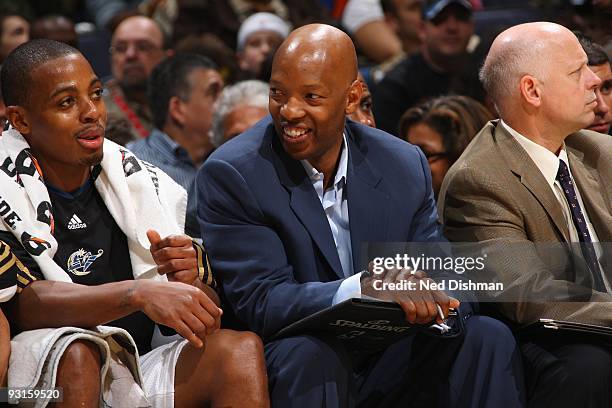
(170, 78)
(16, 75)
(595, 52)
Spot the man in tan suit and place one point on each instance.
(535, 177)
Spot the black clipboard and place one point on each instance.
(573, 327)
(366, 325)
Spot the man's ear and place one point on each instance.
(17, 117)
(354, 96)
(176, 113)
(531, 90)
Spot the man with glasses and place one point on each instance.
(137, 46)
(442, 66)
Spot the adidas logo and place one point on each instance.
(76, 223)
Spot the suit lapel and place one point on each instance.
(588, 183)
(521, 165)
(367, 204)
(305, 204)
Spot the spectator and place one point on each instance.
(14, 30)
(443, 128)
(182, 91)
(55, 27)
(97, 245)
(137, 46)
(362, 112)
(441, 67)
(223, 18)
(286, 207)
(259, 36)
(533, 189)
(239, 107)
(599, 62)
(106, 13)
(405, 18)
(365, 21)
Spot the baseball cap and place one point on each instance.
(432, 8)
(261, 22)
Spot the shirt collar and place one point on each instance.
(546, 161)
(169, 145)
(316, 175)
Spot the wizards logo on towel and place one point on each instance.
(80, 261)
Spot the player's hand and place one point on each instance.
(175, 257)
(182, 307)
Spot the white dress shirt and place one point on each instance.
(335, 206)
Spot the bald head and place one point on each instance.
(538, 77)
(524, 49)
(321, 43)
(312, 87)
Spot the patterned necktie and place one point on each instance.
(588, 251)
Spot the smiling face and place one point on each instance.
(312, 87)
(64, 118)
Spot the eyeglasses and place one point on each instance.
(434, 157)
(144, 47)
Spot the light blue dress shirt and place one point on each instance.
(335, 205)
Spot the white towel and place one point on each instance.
(35, 356)
(138, 195)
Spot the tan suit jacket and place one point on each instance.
(495, 194)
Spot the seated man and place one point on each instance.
(182, 91)
(286, 207)
(533, 179)
(79, 212)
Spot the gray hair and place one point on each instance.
(250, 93)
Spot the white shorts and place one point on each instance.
(158, 367)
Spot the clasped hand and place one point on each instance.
(417, 299)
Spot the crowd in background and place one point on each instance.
(182, 77)
(405, 57)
